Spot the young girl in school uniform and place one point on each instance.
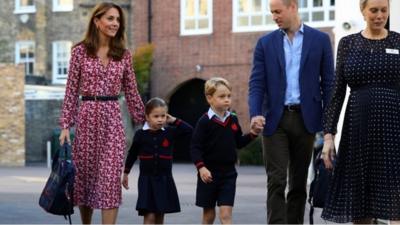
(153, 145)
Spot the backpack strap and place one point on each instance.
(311, 215)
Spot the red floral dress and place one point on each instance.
(99, 144)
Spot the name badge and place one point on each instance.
(392, 51)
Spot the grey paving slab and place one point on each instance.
(20, 189)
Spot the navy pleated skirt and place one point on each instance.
(157, 194)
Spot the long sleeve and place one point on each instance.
(197, 144)
(257, 87)
(71, 100)
(327, 71)
(134, 102)
(242, 140)
(332, 111)
(132, 153)
(183, 130)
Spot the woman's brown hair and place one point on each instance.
(91, 39)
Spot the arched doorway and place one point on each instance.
(188, 103)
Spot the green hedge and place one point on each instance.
(142, 62)
(252, 153)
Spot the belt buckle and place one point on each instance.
(290, 109)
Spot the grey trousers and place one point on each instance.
(289, 149)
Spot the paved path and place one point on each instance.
(20, 189)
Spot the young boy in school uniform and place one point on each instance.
(216, 137)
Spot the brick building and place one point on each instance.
(187, 57)
(39, 34)
(197, 39)
(194, 40)
(12, 121)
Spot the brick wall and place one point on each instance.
(222, 53)
(12, 120)
(7, 32)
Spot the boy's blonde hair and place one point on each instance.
(211, 85)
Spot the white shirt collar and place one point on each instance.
(211, 113)
(146, 126)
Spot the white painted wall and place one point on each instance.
(395, 15)
(39, 92)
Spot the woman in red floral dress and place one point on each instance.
(100, 67)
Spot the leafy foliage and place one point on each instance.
(252, 153)
(142, 62)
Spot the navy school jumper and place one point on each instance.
(214, 142)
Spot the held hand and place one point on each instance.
(257, 124)
(205, 175)
(255, 132)
(64, 136)
(125, 181)
(328, 153)
(170, 119)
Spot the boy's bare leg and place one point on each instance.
(208, 215)
(225, 214)
(86, 214)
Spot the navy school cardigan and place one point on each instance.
(154, 148)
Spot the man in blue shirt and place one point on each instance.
(289, 85)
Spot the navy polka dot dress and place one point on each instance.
(366, 179)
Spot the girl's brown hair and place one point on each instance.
(154, 103)
(91, 39)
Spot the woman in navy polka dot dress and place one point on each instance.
(366, 178)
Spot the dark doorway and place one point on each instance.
(188, 103)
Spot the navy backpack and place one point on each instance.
(57, 195)
(322, 177)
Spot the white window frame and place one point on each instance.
(264, 13)
(58, 78)
(326, 8)
(19, 9)
(183, 17)
(18, 46)
(62, 8)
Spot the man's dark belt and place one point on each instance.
(99, 98)
(293, 108)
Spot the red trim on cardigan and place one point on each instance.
(165, 156)
(177, 122)
(199, 164)
(146, 157)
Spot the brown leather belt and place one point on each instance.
(293, 108)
